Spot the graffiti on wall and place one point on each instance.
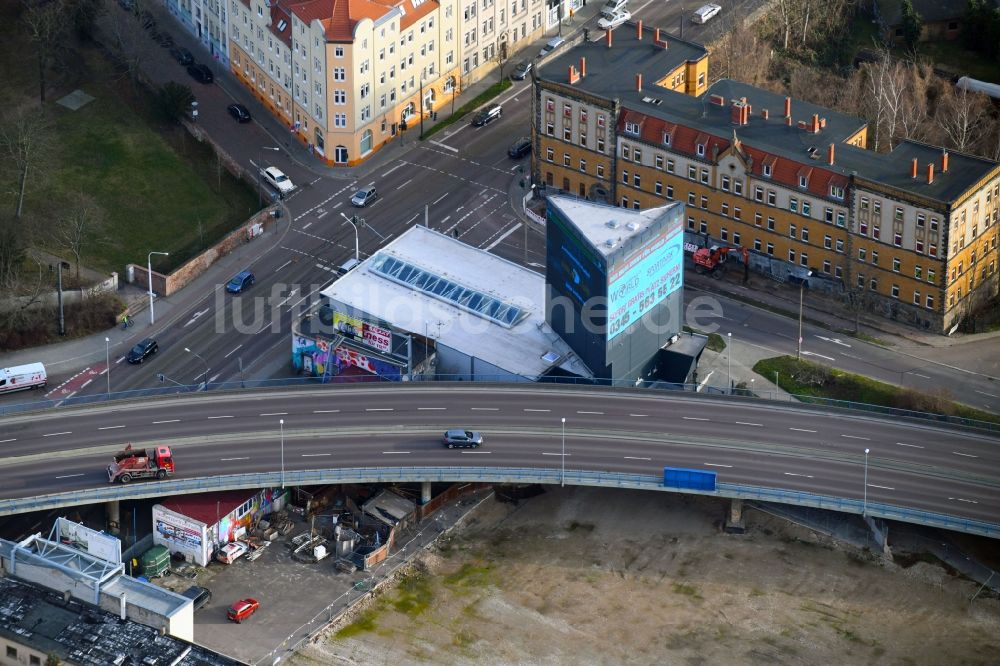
(315, 358)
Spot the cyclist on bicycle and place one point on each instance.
(126, 322)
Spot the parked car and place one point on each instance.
(239, 112)
(704, 13)
(200, 73)
(240, 282)
(521, 70)
(462, 439)
(613, 6)
(199, 595)
(231, 552)
(242, 609)
(551, 46)
(487, 115)
(615, 20)
(141, 351)
(520, 148)
(364, 197)
(278, 180)
(182, 55)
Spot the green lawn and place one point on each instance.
(158, 188)
(802, 378)
(953, 57)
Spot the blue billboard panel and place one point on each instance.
(644, 279)
(690, 479)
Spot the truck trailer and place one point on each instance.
(141, 464)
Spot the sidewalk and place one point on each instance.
(714, 369)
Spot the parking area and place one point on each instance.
(296, 598)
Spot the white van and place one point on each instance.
(703, 14)
(21, 377)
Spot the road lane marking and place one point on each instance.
(167, 421)
(111, 427)
(756, 425)
(989, 394)
(636, 458)
(230, 459)
(3, 441)
(284, 264)
(390, 453)
(693, 418)
(194, 317)
(808, 476)
(56, 434)
(315, 455)
(476, 452)
(379, 409)
(802, 430)
(809, 353)
(398, 166)
(235, 349)
(585, 412)
(399, 187)
(966, 455)
(913, 446)
(438, 200)
(86, 382)
(639, 415)
(485, 409)
(69, 476)
(446, 218)
(867, 439)
(959, 499)
(220, 417)
(555, 454)
(326, 411)
(262, 328)
(441, 145)
(503, 237)
(274, 414)
(872, 485)
(430, 409)
(716, 465)
(528, 409)
(917, 374)
(103, 371)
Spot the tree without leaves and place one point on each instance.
(500, 57)
(81, 226)
(25, 140)
(46, 22)
(962, 116)
(741, 55)
(13, 245)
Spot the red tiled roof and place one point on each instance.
(209, 507)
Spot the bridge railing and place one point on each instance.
(251, 384)
(522, 475)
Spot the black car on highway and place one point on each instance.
(239, 112)
(141, 351)
(200, 73)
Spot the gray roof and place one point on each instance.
(87, 635)
(601, 222)
(611, 74)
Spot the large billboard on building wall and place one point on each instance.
(646, 277)
(180, 534)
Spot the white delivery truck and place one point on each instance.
(21, 377)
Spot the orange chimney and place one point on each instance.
(815, 123)
(913, 168)
(638, 30)
(573, 76)
(656, 35)
(764, 114)
(788, 120)
(638, 82)
(607, 36)
(788, 107)
(930, 173)
(944, 161)
(583, 67)
(829, 154)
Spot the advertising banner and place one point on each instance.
(644, 279)
(377, 337)
(349, 327)
(98, 544)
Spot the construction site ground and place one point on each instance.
(599, 576)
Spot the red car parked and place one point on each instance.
(242, 609)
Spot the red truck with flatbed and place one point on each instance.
(141, 464)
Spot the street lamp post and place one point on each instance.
(281, 424)
(562, 482)
(203, 361)
(355, 222)
(260, 167)
(864, 506)
(802, 287)
(729, 340)
(107, 356)
(149, 274)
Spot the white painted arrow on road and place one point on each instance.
(835, 341)
(195, 316)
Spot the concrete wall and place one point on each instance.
(51, 298)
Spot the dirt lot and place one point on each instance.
(607, 577)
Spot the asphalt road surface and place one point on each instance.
(910, 464)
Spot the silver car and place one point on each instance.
(462, 439)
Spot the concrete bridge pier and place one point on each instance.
(111, 509)
(734, 519)
(425, 492)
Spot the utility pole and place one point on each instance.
(62, 320)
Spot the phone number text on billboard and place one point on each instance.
(646, 278)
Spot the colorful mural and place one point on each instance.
(316, 359)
